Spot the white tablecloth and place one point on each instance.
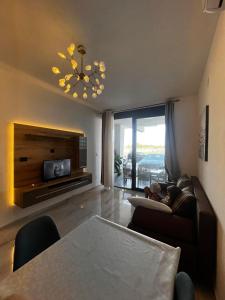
(98, 260)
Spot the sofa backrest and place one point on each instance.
(183, 181)
(206, 224)
(184, 205)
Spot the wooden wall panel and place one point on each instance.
(33, 145)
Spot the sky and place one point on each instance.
(151, 135)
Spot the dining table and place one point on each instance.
(98, 260)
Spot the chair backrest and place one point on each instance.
(33, 238)
(184, 288)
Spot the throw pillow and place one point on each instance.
(149, 203)
(184, 205)
(172, 192)
(184, 181)
(149, 194)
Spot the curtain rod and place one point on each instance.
(173, 100)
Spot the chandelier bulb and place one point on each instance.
(56, 70)
(102, 66)
(60, 54)
(62, 82)
(88, 68)
(68, 76)
(86, 78)
(94, 95)
(67, 88)
(85, 95)
(75, 95)
(74, 63)
(71, 49)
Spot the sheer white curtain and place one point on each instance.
(108, 149)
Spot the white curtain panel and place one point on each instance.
(171, 161)
(108, 148)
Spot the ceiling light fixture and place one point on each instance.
(82, 81)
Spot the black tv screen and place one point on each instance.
(53, 169)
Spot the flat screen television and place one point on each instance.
(53, 169)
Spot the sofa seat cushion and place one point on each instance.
(149, 203)
(160, 223)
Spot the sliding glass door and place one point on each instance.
(123, 153)
(139, 148)
(150, 151)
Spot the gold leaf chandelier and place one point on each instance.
(82, 80)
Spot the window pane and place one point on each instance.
(123, 152)
(150, 151)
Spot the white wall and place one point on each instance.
(25, 99)
(186, 123)
(31, 34)
(212, 173)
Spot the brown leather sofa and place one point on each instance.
(195, 235)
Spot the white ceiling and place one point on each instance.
(152, 49)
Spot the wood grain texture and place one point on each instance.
(27, 196)
(33, 145)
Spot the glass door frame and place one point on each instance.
(148, 112)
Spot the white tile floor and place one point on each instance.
(110, 204)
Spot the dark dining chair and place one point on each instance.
(184, 288)
(33, 238)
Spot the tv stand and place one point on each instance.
(29, 195)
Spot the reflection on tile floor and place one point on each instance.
(119, 181)
(110, 204)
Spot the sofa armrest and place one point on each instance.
(206, 235)
(164, 224)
